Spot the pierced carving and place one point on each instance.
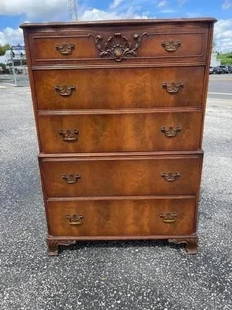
(64, 90)
(173, 88)
(169, 218)
(170, 176)
(71, 178)
(118, 46)
(171, 45)
(170, 131)
(191, 244)
(53, 245)
(65, 48)
(75, 219)
(69, 135)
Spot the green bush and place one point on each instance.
(226, 59)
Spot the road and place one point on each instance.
(220, 86)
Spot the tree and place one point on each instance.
(4, 48)
(226, 58)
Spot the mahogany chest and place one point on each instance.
(119, 110)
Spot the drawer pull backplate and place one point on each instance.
(71, 178)
(173, 88)
(69, 135)
(75, 219)
(170, 176)
(65, 48)
(169, 218)
(170, 131)
(64, 90)
(171, 45)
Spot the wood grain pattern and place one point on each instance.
(121, 176)
(130, 217)
(120, 127)
(84, 47)
(120, 133)
(106, 88)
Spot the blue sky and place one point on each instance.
(15, 12)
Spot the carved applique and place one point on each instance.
(118, 46)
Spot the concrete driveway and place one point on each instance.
(142, 275)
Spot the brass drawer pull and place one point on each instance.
(64, 90)
(170, 176)
(65, 48)
(170, 131)
(69, 135)
(169, 218)
(71, 178)
(171, 45)
(173, 88)
(75, 219)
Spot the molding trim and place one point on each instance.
(119, 154)
(105, 157)
(121, 111)
(149, 197)
(116, 65)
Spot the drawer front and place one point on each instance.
(136, 44)
(120, 132)
(70, 177)
(119, 88)
(124, 217)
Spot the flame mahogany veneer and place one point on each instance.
(119, 109)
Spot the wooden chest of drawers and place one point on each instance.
(119, 109)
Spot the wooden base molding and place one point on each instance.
(53, 245)
(191, 243)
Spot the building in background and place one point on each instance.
(15, 59)
(14, 64)
(214, 61)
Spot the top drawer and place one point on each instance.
(170, 43)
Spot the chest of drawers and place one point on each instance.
(119, 110)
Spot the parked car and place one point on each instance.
(211, 70)
(229, 68)
(218, 70)
(224, 69)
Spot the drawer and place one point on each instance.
(122, 216)
(109, 176)
(119, 88)
(114, 45)
(124, 132)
